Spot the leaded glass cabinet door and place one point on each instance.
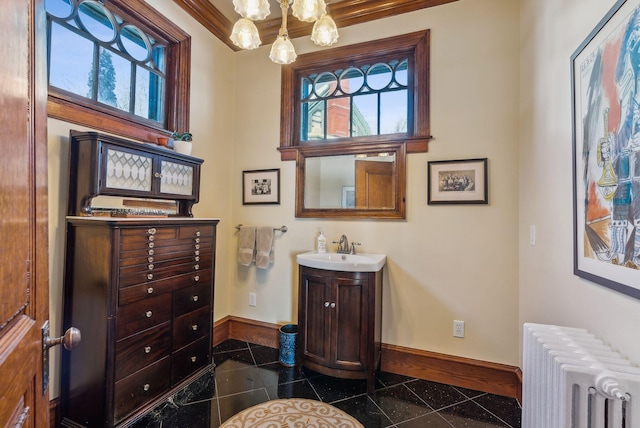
(176, 178)
(125, 170)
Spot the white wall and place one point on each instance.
(444, 262)
(551, 31)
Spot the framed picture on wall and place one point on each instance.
(348, 197)
(261, 186)
(457, 182)
(605, 70)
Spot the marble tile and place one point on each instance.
(468, 414)
(238, 356)
(264, 354)
(432, 420)
(230, 345)
(507, 409)
(232, 404)
(332, 389)
(436, 395)
(297, 389)
(399, 403)
(365, 411)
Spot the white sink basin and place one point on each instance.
(342, 262)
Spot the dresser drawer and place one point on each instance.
(154, 274)
(190, 359)
(195, 231)
(133, 391)
(152, 264)
(156, 254)
(193, 297)
(148, 289)
(191, 326)
(142, 234)
(142, 315)
(142, 349)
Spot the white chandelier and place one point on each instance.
(245, 33)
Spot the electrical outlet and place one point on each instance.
(252, 299)
(458, 328)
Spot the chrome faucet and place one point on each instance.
(343, 245)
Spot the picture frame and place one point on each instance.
(606, 189)
(348, 197)
(261, 186)
(457, 182)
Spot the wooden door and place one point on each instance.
(314, 314)
(24, 298)
(350, 320)
(375, 184)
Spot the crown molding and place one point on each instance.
(344, 13)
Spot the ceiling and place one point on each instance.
(218, 16)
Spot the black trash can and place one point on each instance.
(288, 333)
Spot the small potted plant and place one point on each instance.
(182, 142)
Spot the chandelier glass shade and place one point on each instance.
(245, 33)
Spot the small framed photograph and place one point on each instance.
(348, 197)
(457, 182)
(261, 187)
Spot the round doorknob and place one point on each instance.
(70, 340)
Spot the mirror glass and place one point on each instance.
(359, 184)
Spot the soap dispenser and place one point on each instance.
(322, 243)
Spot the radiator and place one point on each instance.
(571, 379)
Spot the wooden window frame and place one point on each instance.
(414, 46)
(63, 106)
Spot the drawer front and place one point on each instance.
(137, 292)
(153, 264)
(192, 298)
(157, 274)
(142, 349)
(150, 255)
(135, 390)
(142, 315)
(196, 231)
(191, 326)
(144, 234)
(190, 359)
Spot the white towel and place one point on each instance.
(246, 245)
(264, 246)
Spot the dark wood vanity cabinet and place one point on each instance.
(141, 292)
(339, 323)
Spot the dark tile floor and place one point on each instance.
(247, 374)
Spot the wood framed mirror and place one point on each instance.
(359, 181)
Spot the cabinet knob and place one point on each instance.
(197, 246)
(197, 240)
(149, 276)
(326, 304)
(333, 305)
(148, 314)
(157, 175)
(151, 252)
(151, 238)
(194, 359)
(196, 278)
(196, 267)
(196, 252)
(150, 259)
(150, 290)
(195, 298)
(151, 244)
(194, 327)
(198, 233)
(146, 387)
(147, 349)
(197, 258)
(151, 266)
(152, 231)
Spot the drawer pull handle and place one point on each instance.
(197, 258)
(198, 233)
(326, 304)
(149, 314)
(196, 278)
(150, 259)
(152, 231)
(194, 327)
(197, 246)
(151, 252)
(147, 349)
(150, 266)
(150, 290)
(197, 240)
(149, 276)
(146, 387)
(196, 267)
(195, 298)
(333, 305)
(151, 244)
(196, 252)
(151, 238)
(194, 359)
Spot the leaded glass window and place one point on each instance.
(96, 54)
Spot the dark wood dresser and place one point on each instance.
(141, 293)
(138, 285)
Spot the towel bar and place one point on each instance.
(282, 229)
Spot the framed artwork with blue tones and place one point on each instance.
(605, 81)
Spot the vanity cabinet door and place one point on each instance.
(314, 318)
(349, 326)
